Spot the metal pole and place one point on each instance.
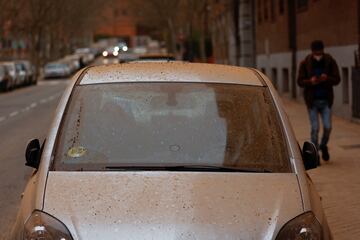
(293, 44)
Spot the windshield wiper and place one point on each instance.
(190, 168)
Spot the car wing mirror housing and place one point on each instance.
(310, 155)
(32, 154)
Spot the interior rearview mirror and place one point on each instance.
(310, 155)
(32, 153)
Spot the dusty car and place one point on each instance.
(157, 57)
(170, 150)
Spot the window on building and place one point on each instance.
(281, 7)
(285, 80)
(259, 11)
(272, 10)
(345, 81)
(302, 4)
(274, 77)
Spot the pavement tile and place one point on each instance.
(337, 181)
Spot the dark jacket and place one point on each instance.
(305, 73)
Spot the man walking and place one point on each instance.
(318, 74)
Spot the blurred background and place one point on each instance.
(271, 35)
(44, 42)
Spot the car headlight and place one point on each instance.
(43, 226)
(303, 227)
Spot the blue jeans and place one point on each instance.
(320, 107)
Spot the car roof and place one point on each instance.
(170, 72)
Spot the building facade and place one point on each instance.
(284, 32)
(117, 22)
(233, 32)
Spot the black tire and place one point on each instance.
(5, 86)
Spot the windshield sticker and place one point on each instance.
(76, 152)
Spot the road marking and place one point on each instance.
(13, 114)
(32, 105)
(42, 101)
(52, 97)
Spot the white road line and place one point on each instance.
(33, 105)
(2, 119)
(52, 97)
(42, 101)
(13, 114)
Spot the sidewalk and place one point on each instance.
(337, 181)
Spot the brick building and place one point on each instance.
(233, 31)
(284, 31)
(117, 21)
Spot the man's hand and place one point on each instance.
(323, 77)
(314, 80)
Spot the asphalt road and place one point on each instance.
(24, 114)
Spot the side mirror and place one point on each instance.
(32, 154)
(310, 156)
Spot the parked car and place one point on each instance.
(16, 81)
(170, 150)
(73, 61)
(5, 78)
(31, 78)
(57, 70)
(157, 57)
(21, 73)
(86, 54)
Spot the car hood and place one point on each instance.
(172, 205)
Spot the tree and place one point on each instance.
(159, 14)
(51, 28)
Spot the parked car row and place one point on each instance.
(68, 65)
(15, 74)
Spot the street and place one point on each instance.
(24, 114)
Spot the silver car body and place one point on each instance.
(171, 205)
(21, 72)
(13, 73)
(57, 69)
(30, 71)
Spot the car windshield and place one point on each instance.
(152, 125)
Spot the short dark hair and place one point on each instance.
(317, 45)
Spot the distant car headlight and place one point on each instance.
(105, 53)
(43, 226)
(303, 227)
(115, 53)
(125, 48)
